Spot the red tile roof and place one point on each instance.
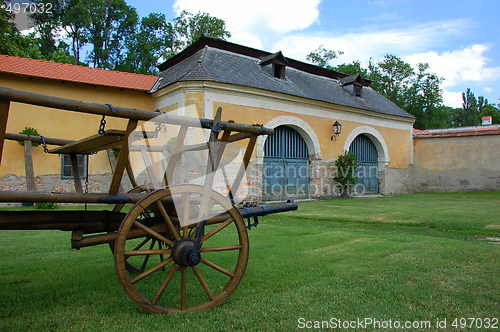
(73, 73)
(457, 132)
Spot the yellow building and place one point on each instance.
(68, 81)
(301, 101)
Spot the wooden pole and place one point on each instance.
(76, 173)
(28, 165)
(8, 94)
(4, 114)
(122, 161)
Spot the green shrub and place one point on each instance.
(31, 132)
(345, 175)
(46, 206)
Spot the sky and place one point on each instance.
(459, 39)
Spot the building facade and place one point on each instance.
(301, 101)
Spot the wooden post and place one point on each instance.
(4, 114)
(76, 173)
(28, 165)
(122, 161)
(112, 164)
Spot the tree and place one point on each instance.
(491, 110)
(75, 20)
(188, 27)
(417, 92)
(321, 56)
(469, 114)
(147, 45)
(110, 22)
(11, 40)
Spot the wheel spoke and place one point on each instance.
(153, 233)
(148, 252)
(221, 248)
(160, 246)
(169, 222)
(183, 288)
(217, 267)
(203, 283)
(151, 270)
(217, 229)
(165, 283)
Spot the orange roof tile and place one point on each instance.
(74, 73)
(457, 132)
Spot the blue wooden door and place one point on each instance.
(367, 155)
(286, 166)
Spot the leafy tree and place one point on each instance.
(110, 22)
(188, 27)
(491, 110)
(147, 45)
(75, 20)
(417, 92)
(321, 56)
(11, 40)
(469, 114)
(352, 69)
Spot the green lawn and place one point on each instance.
(415, 258)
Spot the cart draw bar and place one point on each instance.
(8, 94)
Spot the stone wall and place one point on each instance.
(457, 163)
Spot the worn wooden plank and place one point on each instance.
(95, 143)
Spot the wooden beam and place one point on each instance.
(28, 165)
(76, 173)
(122, 161)
(4, 114)
(8, 94)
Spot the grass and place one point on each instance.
(420, 257)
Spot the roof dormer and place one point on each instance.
(278, 64)
(354, 84)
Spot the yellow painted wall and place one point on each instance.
(398, 141)
(62, 124)
(471, 152)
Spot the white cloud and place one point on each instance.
(251, 21)
(452, 99)
(369, 42)
(466, 65)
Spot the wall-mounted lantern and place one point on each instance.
(337, 129)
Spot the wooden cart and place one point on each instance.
(177, 246)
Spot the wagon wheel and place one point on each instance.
(148, 240)
(178, 282)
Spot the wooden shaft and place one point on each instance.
(76, 173)
(8, 94)
(4, 114)
(123, 160)
(244, 166)
(28, 165)
(37, 139)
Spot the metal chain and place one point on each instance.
(102, 131)
(44, 144)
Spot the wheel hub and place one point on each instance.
(184, 254)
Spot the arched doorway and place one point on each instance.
(366, 151)
(286, 166)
